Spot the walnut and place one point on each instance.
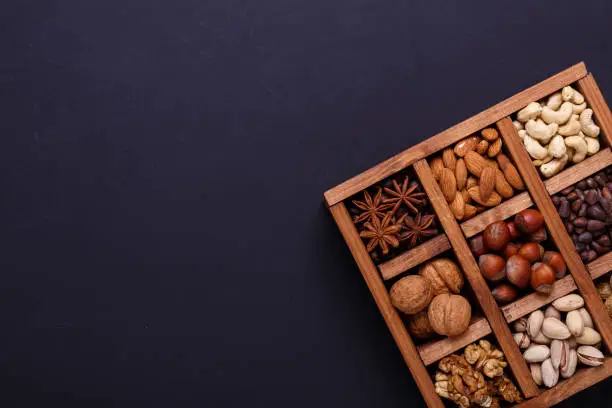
(486, 358)
(419, 325)
(508, 390)
(458, 382)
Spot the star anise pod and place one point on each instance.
(371, 208)
(404, 194)
(382, 233)
(418, 228)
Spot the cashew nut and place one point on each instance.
(592, 145)
(579, 108)
(553, 167)
(530, 111)
(545, 160)
(557, 116)
(556, 147)
(572, 95)
(570, 128)
(580, 147)
(554, 101)
(570, 153)
(589, 127)
(535, 149)
(518, 125)
(522, 134)
(540, 130)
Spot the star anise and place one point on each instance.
(371, 208)
(382, 233)
(418, 228)
(404, 194)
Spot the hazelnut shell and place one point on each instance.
(496, 236)
(531, 251)
(504, 293)
(518, 271)
(528, 221)
(555, 261)
(542, 277)
(492, 267)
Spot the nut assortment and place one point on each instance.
(557, 338)
(393, 216)
(432, 300)
(586, 210)
(475, 174)
(558, 131)
(476, 377)
(511, 257)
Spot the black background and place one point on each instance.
(164, 241)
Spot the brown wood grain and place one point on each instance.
(476, 280)
(600, 266)
(436, 350)
(414, 257)
(601, 112)
(504, 210)
(556, 229)
(582, 379)
(453, 134)
(383, 301)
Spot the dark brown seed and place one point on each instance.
(599, 248)
(567, 190)
(556, 201)
(605, 193)
(569, 227)
(581, 185)
(580, 194)
(585, 237)
(583, 210)
(579, 246)
(591, 183)
(564, 209)
(580, 222)
(595, 225)
(588, 256)
(604, 240)
(600, 180)
(595, 211)
(572, 216)
(606, 205)
(576, 206)
(579, 231)
(591, 197)
(572, 196)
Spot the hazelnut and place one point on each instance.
(449, 315)
(411, 294)
(514, 232)
(496, 236)
(504, 293)
(528, 221)
(518, 271)
(542, 277)
(555, 261)
(443, 275)
(539, 236)
(419, 325)
(492, 267)
(510, 249)
(477, 246)
(531, 251)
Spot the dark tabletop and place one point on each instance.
(164, 241)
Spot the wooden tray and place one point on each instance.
(496, 319)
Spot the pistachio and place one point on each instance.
(589, 337)
(590, 356)
(534, 323)
(571, 362)
(552, 312)
(541, 339)
(536, 353)
(536, 373)
(574, 323)
(555, 329)
(571, 342)
(550, 375)
(586, 317)
(568, 303)
(520, 325)
(522, 340)
(559, 351)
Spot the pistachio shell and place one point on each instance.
(574, 323)
(568, 303)
(536, 353)
(534, 323)
(555, 329)
(588, 337)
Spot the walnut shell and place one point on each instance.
(449, 315)
(443, 275)
(411, 294)
(419, 325)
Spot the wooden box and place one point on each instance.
(495, 321)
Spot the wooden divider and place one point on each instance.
(588, 87)
(600, 266)
(414, 257)
(556, 229)
(383, 301)
(481, 290)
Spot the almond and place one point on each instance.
(471, 181)
(436, 165)
(460, 174)
(512, 176)
(449, 159)
(495, 148)
(486, 183)
(494, 198)
(482, 147)
(466, 196)
(501, 185)
(489, 134)
(464, 146)
(503, 161)
(458, 207)
(469, 211)
(448, 184)
(475, 163)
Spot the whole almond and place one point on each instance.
(571, 362)
(482, 147)
(555, 329)
(589, 337)
(436, 165)
(502, 186)
(448, 184)
(574, 322)
(449, 159)
(457, 206)
(489, 134)
(475, 163)
(522, 340)
(559, 351)
(495, 148)
(486, 183)
(469, 211)
(494, 198)
(466, 196)
(550, 375)
(536, 373)
(471, 182)
(568, 303)
(590, 356)
(552, 312)
(461, 174)
(520, 325)
(534, 323)
(464, 146)
(536, 353)
(586, 317)
(513, 176)
(503, 161)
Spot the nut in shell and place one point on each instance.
(550, 375)
(571, 362)
(536, 353)
(559, 351)
(552, 312)
(541, 339)
(586, 317)
(590, 356)
(604, 289)
(555, 329)
(534, 323)
(568, 303)
(520, 325)
(589, 337)
(536, 373)
(449, 314)
(443, 275)
(574, 323)
(411, 294)
(522, 340)
(419, 326)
